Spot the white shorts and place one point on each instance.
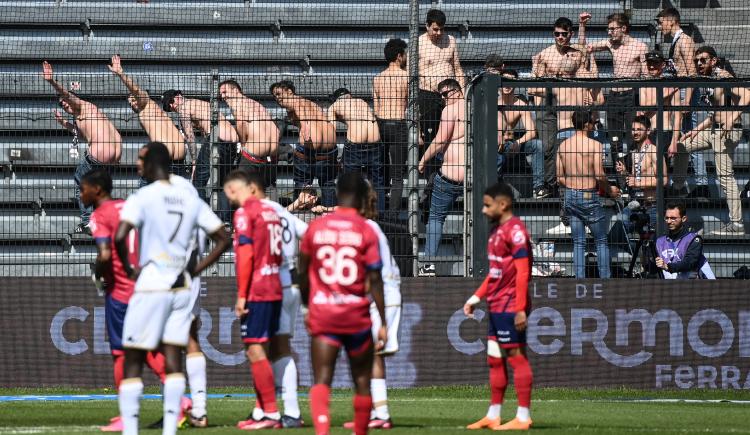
(289, 309)
(157, 317)
(393, 320)
(195, 298)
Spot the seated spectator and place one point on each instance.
(528, 144)
(449, 181)
(640, 173)
(363, 151)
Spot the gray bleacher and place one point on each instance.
(321, 45)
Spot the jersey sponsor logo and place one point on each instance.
(241, 221)
(321, 298)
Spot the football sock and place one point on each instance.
(174, 388)
(195, 366)
(285, 378)
(522, 379)
(320, 397)
(155, 360)
(118, 368)
(523, 413)
(379, 393)
(493, 411)
(258, 411)
(264, 387)
(129, 397)
(362, 406)
(498, 382)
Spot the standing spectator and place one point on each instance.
(91, 125)
(507, 121)
(720, 131)
(362, 150)
(680, 63)
(629, 59)
(258, 133)
(316, 154)
(449, 181)
(195, 114)
(655, 65)
(581, 171)
(158, 125)
(390, 92)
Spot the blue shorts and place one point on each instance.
(354, 344)
(114, 317)
(502, 328)
(261, 322)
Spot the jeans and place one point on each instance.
(697, 159)
(546, 127)
(202, 171)
(444, 194)
(368, 160)
(585, 210)
(85, 164)
(178, 167)
(395, 137)
(310, 164)
(534, 150)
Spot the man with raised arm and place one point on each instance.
(91, 125)
(390, 92)
(315, 156)
(257, 131)
(158, 125)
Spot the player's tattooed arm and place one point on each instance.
(121, 246)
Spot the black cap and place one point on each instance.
(654, 56)
(338, 93)
(167, 98)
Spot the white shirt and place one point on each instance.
(167, 215)
(390, 272)
(292, 230)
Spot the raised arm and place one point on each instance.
(141, 96)
(48, 74)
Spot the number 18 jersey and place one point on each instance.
(342, 247)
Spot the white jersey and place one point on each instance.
(167, 214)
(390, 272)
(292, 230)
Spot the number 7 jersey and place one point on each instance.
(342, 247)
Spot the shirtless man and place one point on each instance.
(629, 59)
(438, 60)
(91, 125)
(507, 121)
(315, 155)
(257, 131)
(449, 181)
(554, 61)
(655, 65)
(390, 92)
(158, 125)
(581, 170)
(194, 115)
(681, 63)
(362, 151)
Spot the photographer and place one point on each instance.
(641, 179)
(680, 252)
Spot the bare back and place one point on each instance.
(683, 56)
(199, 112)
(160, 128)
(437, 62)
(105, 142)
(390, 91)
(314, 129)
(571, 97)
(361, 127)
(454, 155)
(257, 131)
(579, 162)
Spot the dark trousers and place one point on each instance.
(178, 167)
(368, 160)
(323, 165)
(546, 127)
(620, 108)
(395, 137)
(85, 165)
(430, 108)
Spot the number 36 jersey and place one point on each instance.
(257, 223)
(342, 247)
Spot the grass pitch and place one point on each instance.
(442, 410)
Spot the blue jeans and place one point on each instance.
(444, 194)
(85, 164)
(534, 149)
(202, 170)
(585, 210)
(310, 164)
(368, 160)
